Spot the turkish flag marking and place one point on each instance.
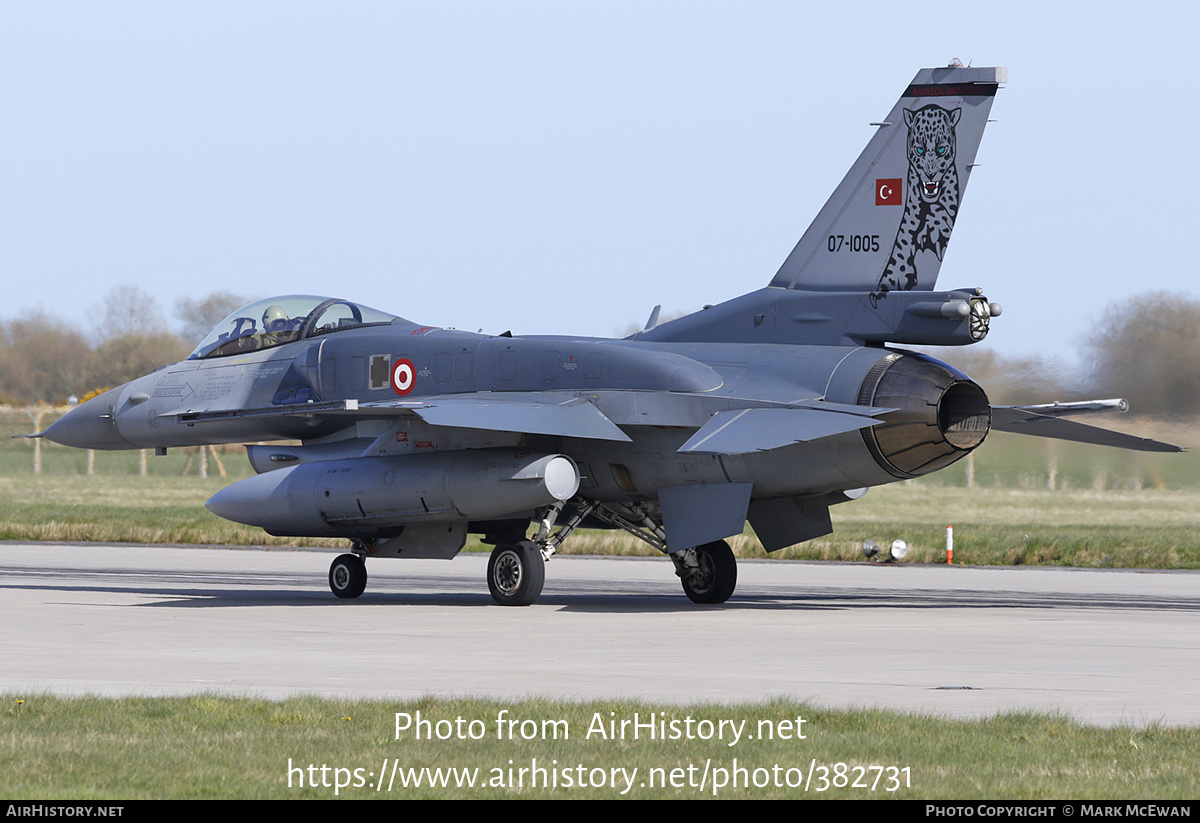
(888, 192)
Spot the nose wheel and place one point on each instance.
(348, 576)
(516, 573)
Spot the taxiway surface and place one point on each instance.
(1101, 646)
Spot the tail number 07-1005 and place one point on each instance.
(853, 242)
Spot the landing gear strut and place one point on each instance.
(708, 572)
(348, 576)
(516, 573)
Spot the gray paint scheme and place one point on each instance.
(700, 513)
(848, 212)
(774, 405)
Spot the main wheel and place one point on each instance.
(716, 577)
(516, 573)
(348, 576)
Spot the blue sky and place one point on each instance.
(562, 167)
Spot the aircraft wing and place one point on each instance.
(528, 413)
(1031, 420)
(742, 431)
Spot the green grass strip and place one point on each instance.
(215, 747)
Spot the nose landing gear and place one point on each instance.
(348, 576)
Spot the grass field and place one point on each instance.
(214, 747)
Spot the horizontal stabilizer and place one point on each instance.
(1020, 420)
(750, 430)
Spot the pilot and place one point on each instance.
(277, 328)
(275, 319)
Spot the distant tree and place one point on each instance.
(127, 310)
(1146, 349)
(197, 317)
(1008, 380)
(42, 360)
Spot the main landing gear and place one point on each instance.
(708, 572)
(516, 570)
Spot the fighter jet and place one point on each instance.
(771, 407)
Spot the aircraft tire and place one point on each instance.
(516, 573)
(717, 576)
(348, 576)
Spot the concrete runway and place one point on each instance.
(1104, 647)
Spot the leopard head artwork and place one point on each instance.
(931, 149)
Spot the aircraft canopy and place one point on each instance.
(279, 320)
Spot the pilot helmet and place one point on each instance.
(274, 318)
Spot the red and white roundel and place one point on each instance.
(403, 376)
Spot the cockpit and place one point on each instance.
(279, 320)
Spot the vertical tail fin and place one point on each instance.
(888, 222)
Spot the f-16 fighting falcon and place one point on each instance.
(404, 438)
